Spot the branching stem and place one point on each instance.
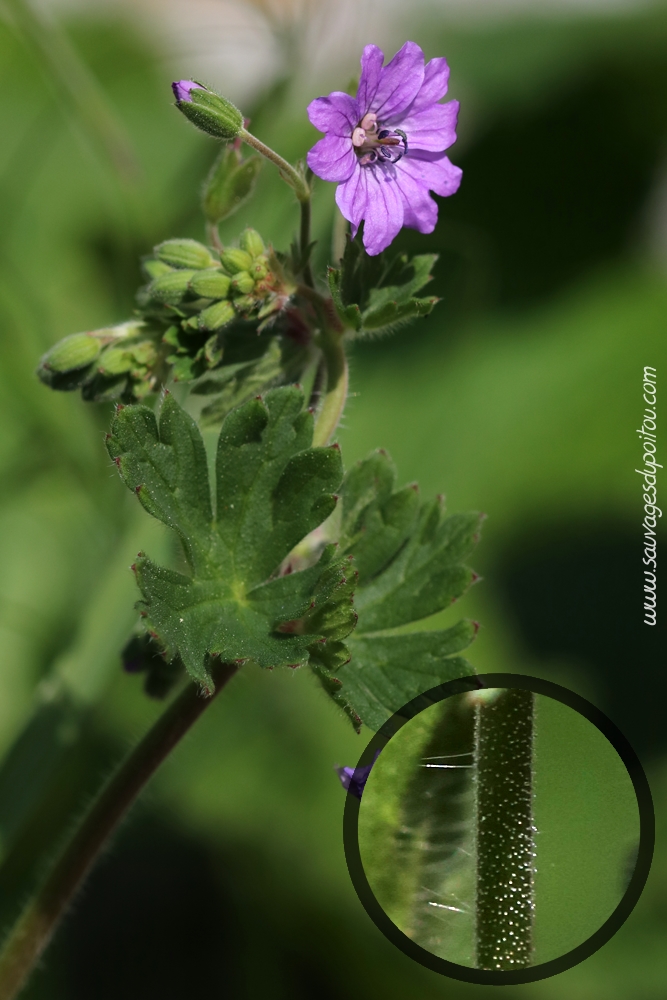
(36, 925)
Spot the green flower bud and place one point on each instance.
(243, 283)
(76, 351)
(229, 184)
(211, 284)
(260, 269)
(184, 253)
(115, 361)
(155, 268)
(252, 242)
(213, 350)
(245, 303)
(209, 111)
(171, 288)
(216, 316)
(144, 353)
(236, 260)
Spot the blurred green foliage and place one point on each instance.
(552, 308)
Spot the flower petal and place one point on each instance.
(351, 197)
(336, 113)
(434, 87)
(332, 158)
(432, 171)
(371, 66)
(433, 128)
(400, 82)
(420, 211)
(383, 218)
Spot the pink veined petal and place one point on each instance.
(400, 82)
(434, 128)
(332, 158)
(351, 198)
(371, 66)
(336, 113)
(433, 171)
(383, 218)
(420, 211)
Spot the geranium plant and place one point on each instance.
(288, 559)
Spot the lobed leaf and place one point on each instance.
(271, 489)
(410, 563)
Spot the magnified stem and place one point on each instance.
(504, 829)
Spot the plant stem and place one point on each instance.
(36, 925)
(505, 830)
(304, 242)
(335, 395)
(293, 177)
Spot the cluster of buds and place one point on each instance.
(197, 292)
(119, 362)
(194, 295)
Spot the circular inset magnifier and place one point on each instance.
(499, 829)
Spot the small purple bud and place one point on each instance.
(182, 88)
(353, 779)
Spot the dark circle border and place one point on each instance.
(604, 933)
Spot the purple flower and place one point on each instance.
(182, 88)
(385, 148)
(353, 779)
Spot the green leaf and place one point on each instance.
(272, 488)
(386, 672)
(375, 294)
(410, 560)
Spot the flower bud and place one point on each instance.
(252, 242)
(213, 350)
(236, 260)
(76, 351)
(207, 110)
(245, 304)
(211, 284)
(184, 253)
(115, 361)
(216, 316)
(171, 288)
(154, 268)
(260, 269)
(243, 283)
(229, 184)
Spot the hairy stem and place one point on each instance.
(293, 177)
(36, 925)
(505, 831)
(336, 387)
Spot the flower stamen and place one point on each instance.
(374, 144)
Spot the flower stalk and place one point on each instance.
(294, 178)
(40, 918)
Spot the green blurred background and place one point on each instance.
(519, 396)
